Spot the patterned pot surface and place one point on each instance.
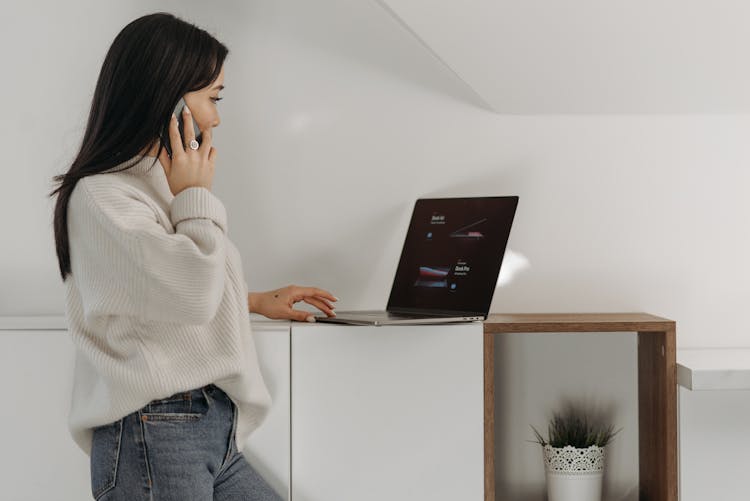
(571, 459)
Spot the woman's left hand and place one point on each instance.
(278, 304)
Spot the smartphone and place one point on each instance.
(180, 126)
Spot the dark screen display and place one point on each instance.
(452, 254)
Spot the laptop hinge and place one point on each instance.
(433, 313)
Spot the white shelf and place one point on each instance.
(714, 368)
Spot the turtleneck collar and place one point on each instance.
(142, 166)
(153, 173)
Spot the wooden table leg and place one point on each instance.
(657, 415)
(489, 417)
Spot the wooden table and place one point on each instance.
(657, 390)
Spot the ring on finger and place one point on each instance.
(194, 144)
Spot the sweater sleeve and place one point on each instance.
(126, 263)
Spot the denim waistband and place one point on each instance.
(210, 388)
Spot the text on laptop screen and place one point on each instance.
(452, 254)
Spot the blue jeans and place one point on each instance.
(178, 448)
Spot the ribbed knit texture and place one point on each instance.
(156, 301)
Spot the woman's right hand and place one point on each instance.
(188, 167)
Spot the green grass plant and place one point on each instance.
(573, 427)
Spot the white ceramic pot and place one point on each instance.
(574, 474)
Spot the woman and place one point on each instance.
(167, 385)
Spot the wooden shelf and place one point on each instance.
(657, 390)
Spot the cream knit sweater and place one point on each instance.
(156, 301)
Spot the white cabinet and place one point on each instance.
(359, 413)
(391, 412)
(268, 447)
(39, 460)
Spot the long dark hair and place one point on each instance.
(153, 62)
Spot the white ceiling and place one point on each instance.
(591, 56)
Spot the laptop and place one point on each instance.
(449, 263)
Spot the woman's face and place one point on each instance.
(202, 103)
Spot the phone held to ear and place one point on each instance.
(180, 127)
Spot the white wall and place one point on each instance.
(336, 118)
(588, 56)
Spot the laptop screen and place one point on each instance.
(452, 254)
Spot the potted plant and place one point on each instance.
(574, 455)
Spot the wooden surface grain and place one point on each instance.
(575, 322)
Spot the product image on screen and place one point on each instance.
(467, 232)
(432, 276)
(452, 254)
